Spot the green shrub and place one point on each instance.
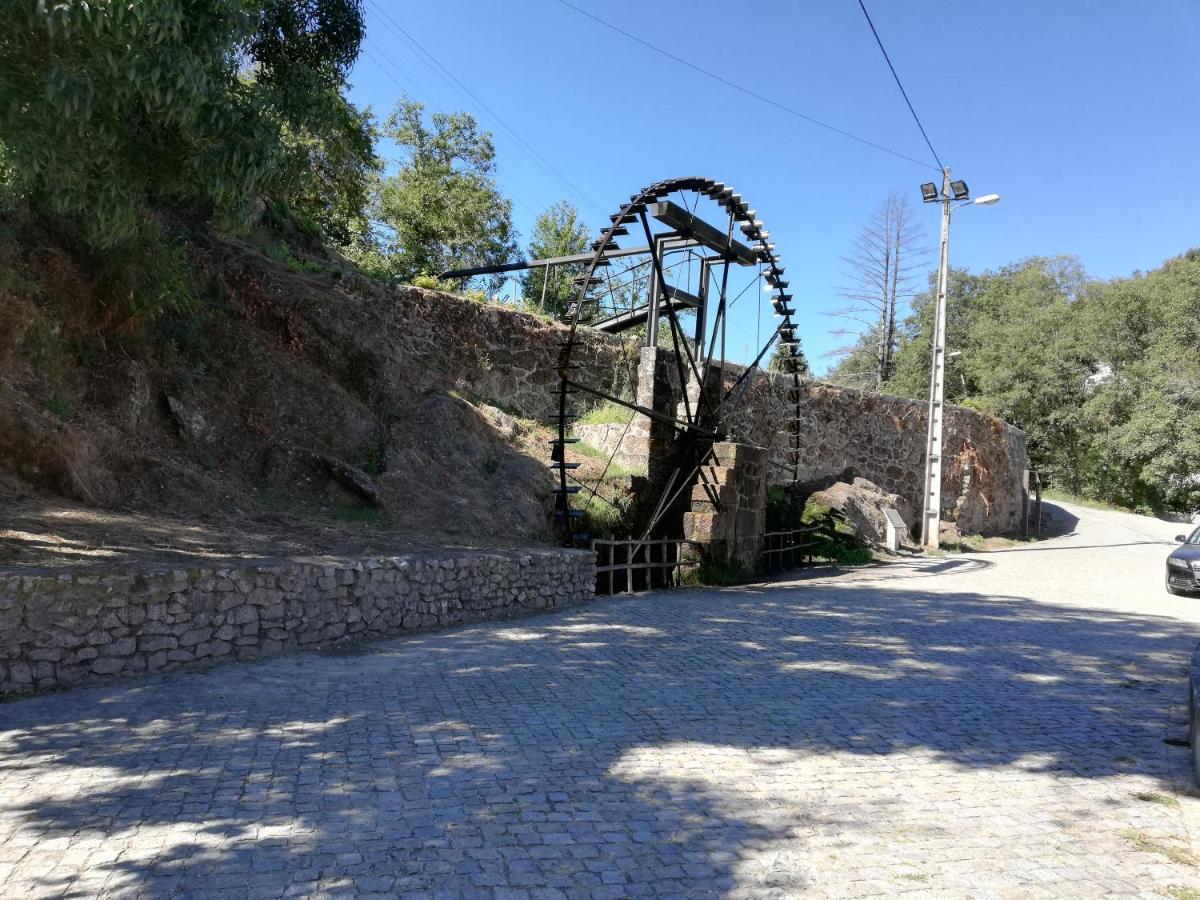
(607, 413)
(604, 519)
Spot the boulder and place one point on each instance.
(863, 503)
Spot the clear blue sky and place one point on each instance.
(1083, 114)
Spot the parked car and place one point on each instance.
(1183, 565)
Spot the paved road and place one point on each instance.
(992, 725)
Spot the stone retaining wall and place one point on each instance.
(59, 628)
(882, 438)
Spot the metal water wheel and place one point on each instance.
(675, 261)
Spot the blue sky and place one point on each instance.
(1083, 114)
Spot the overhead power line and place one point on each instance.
(529, 148)
(742, 89)
(903, 92)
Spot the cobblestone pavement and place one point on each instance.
(995, 725)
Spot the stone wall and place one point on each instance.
(61, 627)
(502, 355)
(882, 438)
(509, 358)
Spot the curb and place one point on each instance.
(1194, 710)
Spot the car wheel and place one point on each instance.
(1171, 590)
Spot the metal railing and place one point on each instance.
(793, 548)
(623, 567)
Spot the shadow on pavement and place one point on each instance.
(1057, 521)
(631, 736)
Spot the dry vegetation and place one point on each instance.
(247, 389)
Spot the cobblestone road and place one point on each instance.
(996, 725)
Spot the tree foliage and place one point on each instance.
(558, 231)
(1103, 376)
(783, 360)
(110, 109)
(441, 210)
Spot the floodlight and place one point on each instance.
(929, 192)
(959, 190)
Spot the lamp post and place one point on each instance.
(931, 512)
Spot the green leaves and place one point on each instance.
(559, 231)
(1103, 376)
(109, 109)
(441, 209)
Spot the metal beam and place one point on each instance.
(540, 263)
(628, 319)
(689, 225)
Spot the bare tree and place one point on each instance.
(882, 276)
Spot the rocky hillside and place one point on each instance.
(271, 387)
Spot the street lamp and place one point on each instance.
(931, 510)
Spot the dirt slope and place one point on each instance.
(291, 392)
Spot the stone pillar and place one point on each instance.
(729, 508)
(647, 445)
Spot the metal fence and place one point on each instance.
(794, 547)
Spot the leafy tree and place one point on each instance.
(108, 110)
(782, 360)
(858, 365)
(1144, 412)
(557, 232)
(1021, 356)
(442, 209)
(964, 303)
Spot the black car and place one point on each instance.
(1183, 565)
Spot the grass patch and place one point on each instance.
(715, 576)
(357, 515)
(914, 876)
(374, 459)
(1179, 892)
(607, 413)
(977, 543)
(61, 404)
(615, 468)
(1139, 840)
(1154, 797)
(605, 520)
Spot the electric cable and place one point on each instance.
(529, 148)
(745, 90)
(903, 92)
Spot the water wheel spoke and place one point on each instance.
(694, 397)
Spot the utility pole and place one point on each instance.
(932, 512)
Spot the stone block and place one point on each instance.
(125, 646)
(156, 643)
(721, 496)
(194, 636)
(108, 665)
